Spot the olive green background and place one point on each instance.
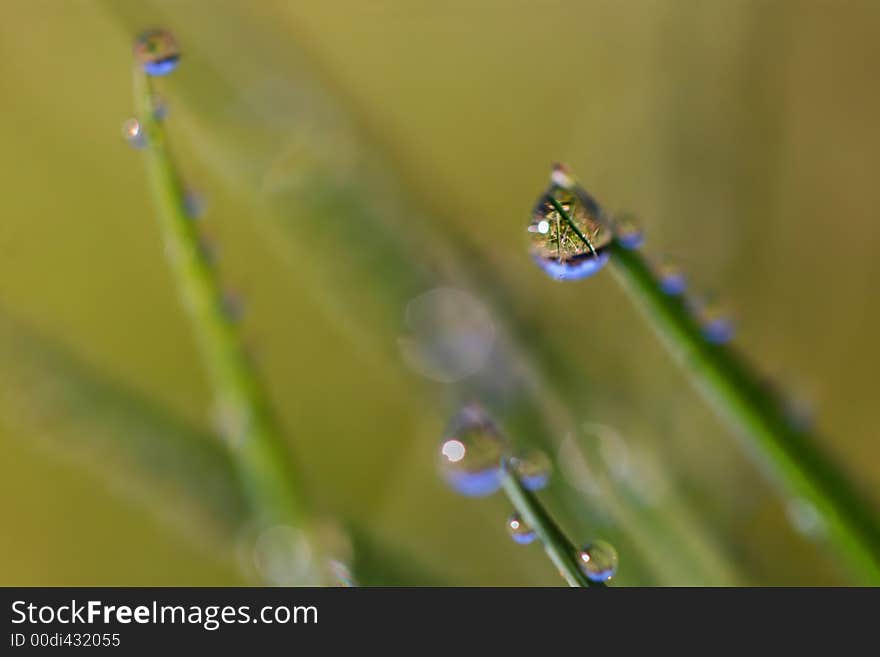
(743, 134)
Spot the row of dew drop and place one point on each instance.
(156, 51)
(571, 238)
(279, 554)
(472, 455)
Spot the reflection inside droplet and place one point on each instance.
(568, 238)
(157, 52)
(450, 335)
(453, 450)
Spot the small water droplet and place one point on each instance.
(672, 279)
(533, 469)
(133, 132)
(208, 249)
(560, 245)
(519, 530)
(160, 108)
(232, 306)
(471, 453)
(157, 52)
(716, 324)
(194, 204)
(628, 233)
(598, 561)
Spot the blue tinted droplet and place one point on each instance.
(598, 561)
(157, 52)
(671, 279)
(628, 233)
(569, 239)
(519, 531)
(533, 469)
(471, 453)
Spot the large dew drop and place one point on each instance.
(157, 52)
(598, 561)
(471, 453)
(519, 531)
(568, 240)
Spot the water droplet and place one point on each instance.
(208, 249)
(160, 108)
(533, 469)
(451, 335)
(560, 245)
(194, 204)
(283, 556)
(628, 233)
(133, 132)
(157, 52)
(598, 561)
(672, 279)
(519, 530)
(470, 455)
(232, 306)
(716, 324)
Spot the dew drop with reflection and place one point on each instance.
(533, 469)
(519, 531)
(157, 52)
(568, 240)
(471, 453)
(598, 561)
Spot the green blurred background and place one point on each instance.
(743, 134)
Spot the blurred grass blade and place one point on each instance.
(258, 449)
(176, 470)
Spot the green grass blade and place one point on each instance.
(737, 393)
(262, 458)
(178, 471)
(557, 545)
